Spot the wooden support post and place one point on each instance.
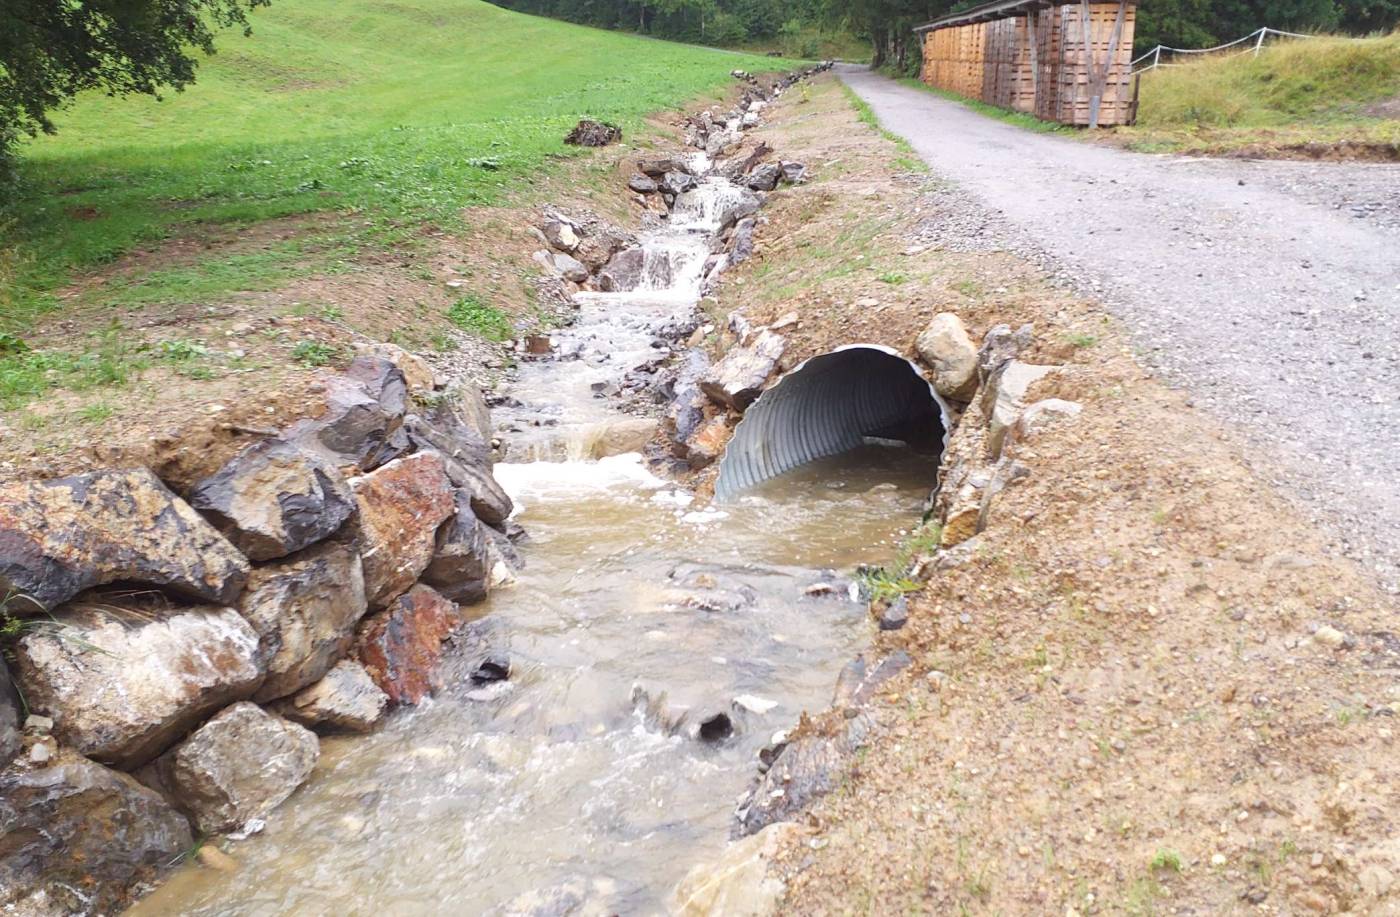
(1098, 76)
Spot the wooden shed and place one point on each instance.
(1060, 61)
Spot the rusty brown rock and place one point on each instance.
(122, 682)
(401, 647)
(737, 380)
(73, 824)
(239, 766)
(61, 537)
(305, 611)
(275, 498)
(401, 506)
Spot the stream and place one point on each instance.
(581, 780)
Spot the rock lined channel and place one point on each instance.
(584, 740)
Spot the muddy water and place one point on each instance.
(564, 784)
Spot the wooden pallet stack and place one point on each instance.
(1065, 62)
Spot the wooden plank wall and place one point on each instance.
(1054, 80)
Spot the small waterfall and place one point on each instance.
(703, 208)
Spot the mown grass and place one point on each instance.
(1295, 91)
(398, 114)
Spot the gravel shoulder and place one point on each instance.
(1269, 291)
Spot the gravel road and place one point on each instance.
(1270, 291)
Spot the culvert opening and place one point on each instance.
(833, 403)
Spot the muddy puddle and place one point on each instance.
(576, 781)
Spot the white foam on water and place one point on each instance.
(524, 481)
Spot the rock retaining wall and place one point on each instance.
(174, 648)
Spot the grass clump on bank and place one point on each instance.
(398, 114)
(1321, 90)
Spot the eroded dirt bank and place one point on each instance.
(1148, 685)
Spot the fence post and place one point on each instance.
(1260, 43)
(1156, 56)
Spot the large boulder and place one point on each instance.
(347, 699)
(562, 233)
(677, 182)
(74, 835)
(237, 767)
(468, 468)
(617, 437)
(458, 423)
(275, 498)
(305, 611)
(461, 564)
(951, 355)
(643, 184)
(600, 243)
(401, 646)
(11, 717)
(401, 506)
(122, 682)
(360, 424)
(737, 380)
(745, 204)
(570, 268)
(61, 537)
(765, 177)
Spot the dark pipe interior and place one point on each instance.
(829, 405)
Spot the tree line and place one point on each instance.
(887, 25)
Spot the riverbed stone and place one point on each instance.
(72, 824)
(740, 883)
(237, 767)
(601, 242)
(461, 564)
(626, 271)
(738, 379)
(570, 268)
(745, 204)
(945, 347)
(124, 681)
(11, 715)
(304, 611)
(658, 166)
(61, 537)
(401, 647)
(804, 771)
(741, 243)
(347, 699)
(467, 468)
(765, 177)
(275, 498)
(616, 437)
(400, 507)
(677, 182)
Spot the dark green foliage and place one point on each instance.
(51, 50)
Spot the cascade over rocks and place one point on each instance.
(346, 699)
(237, 767)
(401, 646)
(304, 611)
(401, 506)
(123, 681)
(275, 498)
(61, 537)
(73, 824)
(627, 271)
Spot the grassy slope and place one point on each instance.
(399, 113)
(1314, 90)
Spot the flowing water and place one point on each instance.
(575, 780)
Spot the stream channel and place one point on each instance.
(563, 784)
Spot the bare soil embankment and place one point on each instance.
(1148, 685)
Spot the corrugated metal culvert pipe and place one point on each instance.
(828, 405)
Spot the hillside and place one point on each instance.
(402, 112)
(1325, 97)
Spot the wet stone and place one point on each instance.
(461, 564)
(401, 647)
(346, 699)
(67, 535)
(401, 505)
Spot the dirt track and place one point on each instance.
(1270, 291)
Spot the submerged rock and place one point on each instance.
(738, 379)
(617, 437)
(401, 647)
(401, 505)
(275, 498)
(305, 611)
(346, 699)
(67, 535)
(123, 683)
(237, 767)
(575, 897)
(73, 824)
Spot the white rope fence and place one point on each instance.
(1252, 43)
